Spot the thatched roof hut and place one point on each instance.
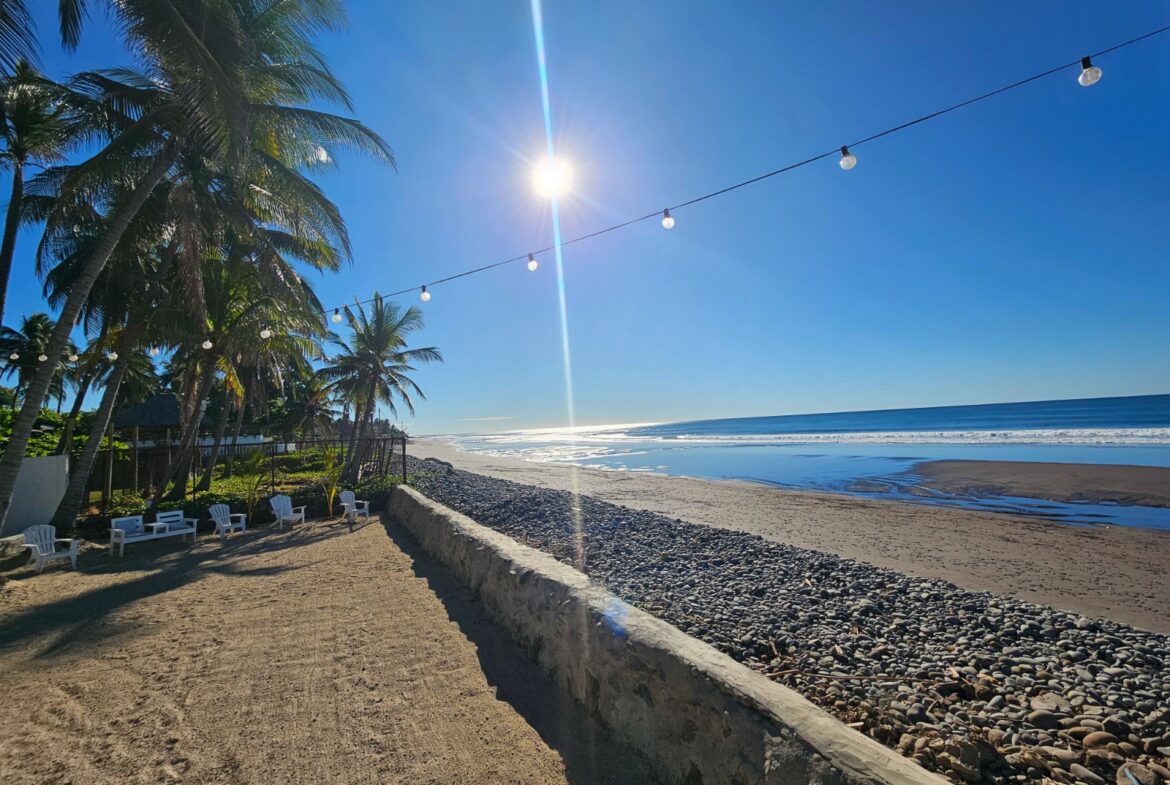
(160, 412)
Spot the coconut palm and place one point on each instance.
(18, 39)
(21, 352)
(34, 129)
(255, 306)
(222, 95)
(372, 368)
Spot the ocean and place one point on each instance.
(873, 453)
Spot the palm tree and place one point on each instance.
(223, 96)
(33, 129)
(256, 306)
(372, 368)
(18, 39)
(22, 349)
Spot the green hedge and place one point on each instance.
(231, 491)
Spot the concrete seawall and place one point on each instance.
(700, 717)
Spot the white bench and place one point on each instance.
(130, 529)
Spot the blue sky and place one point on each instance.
(1016, 250)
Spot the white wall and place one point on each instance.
(39, 488)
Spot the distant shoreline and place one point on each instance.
(1148, 486)
(1035, 560)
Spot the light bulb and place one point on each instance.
(73, 358)
(266, 333)
(848, 159)
(154, 351)
(1090, 74)
(425, 296)
(336, 317)
(14, 356)
(667, 219)
(532, 263)
(42, 357)
(206, 344)
(112, 356)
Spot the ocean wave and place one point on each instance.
(583, 443)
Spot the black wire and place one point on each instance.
(784, 169)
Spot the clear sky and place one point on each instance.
(1015, 250)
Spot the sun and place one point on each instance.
(552, 178)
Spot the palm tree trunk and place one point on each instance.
(182, 463)
(220, 426)
(74, 498)
(35, 394)
(11, 224)
(66, 442)
(363, 426)
(358, 414)
(236, 432)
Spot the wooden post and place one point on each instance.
(136, 459)
(272, 466)
(106, 487)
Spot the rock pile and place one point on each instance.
(978, 687)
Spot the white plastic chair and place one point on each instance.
(284, 511)
(225, 520)
(42, 541)
(354, 507)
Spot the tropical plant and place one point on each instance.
(251, 470)
(372, 368)
(18, 33)
(23, 349)
(34, 129)
(330, 479)
(220, 112)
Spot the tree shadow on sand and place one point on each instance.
(591, 756)
(51, 629)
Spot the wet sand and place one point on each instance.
(1105, 571)
(1061, 482)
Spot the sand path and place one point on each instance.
(311, 656)
(1109, 571)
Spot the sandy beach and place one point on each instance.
(1107, 571)
(306, 656)
(1062, 482)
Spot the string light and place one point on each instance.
(1090, 74)
(336, 316)
(112, 356)
(848, 159)
(73, 357)
(425, 296)
(154, 351)
(206, 343)
(42, 357)
(14, 356)
(266, 333)
(532, 263)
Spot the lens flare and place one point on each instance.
(552, 178)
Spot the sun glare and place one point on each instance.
(552, 178)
